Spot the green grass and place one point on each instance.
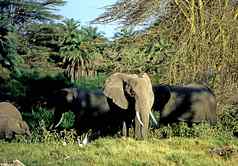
(123, 151)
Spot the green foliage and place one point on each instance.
(30, 88)
(21, 12)
(79, 49)
(229, 118)
(40, 120)
(198, 41)
(41, 116)
(91, 83)
(45, 41)
(137, 51)
(8, 45)
(68, 120)
(15, 16)
(15, 88)
(201, 130)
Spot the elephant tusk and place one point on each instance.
(61, 120)
(139, 119)
(153, 118)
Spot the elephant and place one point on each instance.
(132, 97)
(192, 103)
(11, 121)
(90, 108)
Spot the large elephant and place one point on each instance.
(91, 111)
(132, 97)
(190, 103)
(11, 122)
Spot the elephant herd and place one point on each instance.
(127, 101)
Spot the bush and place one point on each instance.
(201, 130)
(40, 120)
(91, 83)
(68, 120)
(38, 116)
(229, 119)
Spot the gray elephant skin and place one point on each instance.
(11, 122)
(192, 103)
(132, 97)
(90, 108)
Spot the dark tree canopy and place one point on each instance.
(15, 17)
(20, 12)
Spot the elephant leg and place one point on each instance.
(125, 127)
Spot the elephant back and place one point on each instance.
(189, 103)
(9, 110)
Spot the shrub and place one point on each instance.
(68, 120)
(201, 130)
(91, 83)
(228, 119)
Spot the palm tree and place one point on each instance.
(78, 49)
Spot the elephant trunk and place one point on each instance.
(141, 130)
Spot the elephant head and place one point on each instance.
(9, 127)
(22, 128)
(90, 108)
(133, 95)
(60, 102)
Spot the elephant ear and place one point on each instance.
(113, 89)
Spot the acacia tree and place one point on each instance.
(130, 12)
(203, 33)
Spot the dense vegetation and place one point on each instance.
(182, 41)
